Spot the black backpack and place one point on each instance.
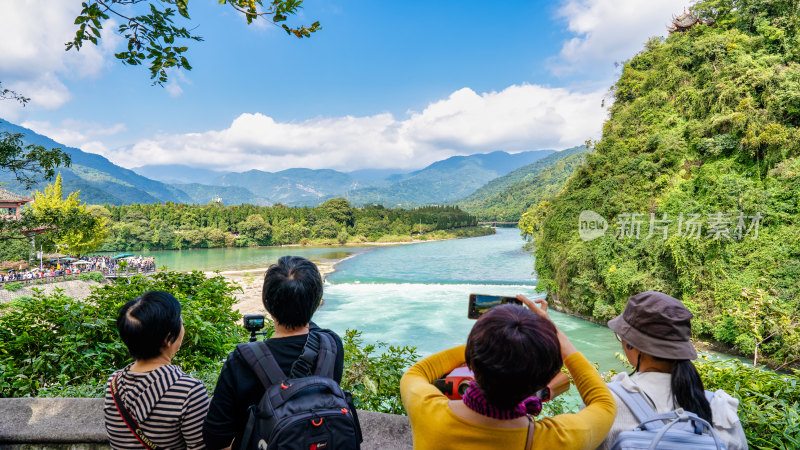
(305, 411)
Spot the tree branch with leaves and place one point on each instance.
(152, 35)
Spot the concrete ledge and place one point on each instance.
(77, 423)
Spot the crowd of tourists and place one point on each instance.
(74, 266)
(284, 392)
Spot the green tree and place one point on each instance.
(79, 230)
(152, 36)
(256, 229)
(339, 210)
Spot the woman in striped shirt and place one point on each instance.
(156, 405)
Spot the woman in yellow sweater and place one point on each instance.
(513, 351)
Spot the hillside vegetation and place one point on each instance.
(445, 181)
(99, 180)
(704, 122)
(506, 198)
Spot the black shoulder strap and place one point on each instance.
(318, 354)
(326, 360)
(262, 362)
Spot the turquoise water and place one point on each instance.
(417, 294)
(223, 259)
(412, 294)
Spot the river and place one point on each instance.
(412, 294)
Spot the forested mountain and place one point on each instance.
(229, 195)
(506, 198)
(698, 177)
(446, 180)
(98, 179)
(291, 186)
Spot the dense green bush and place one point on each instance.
(91, 276)
(769, 402)
(56, 345)
(13, 286)
(372, 373)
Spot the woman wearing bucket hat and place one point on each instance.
(655, 331)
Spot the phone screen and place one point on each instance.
(479, 303)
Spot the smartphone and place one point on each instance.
(479, 303)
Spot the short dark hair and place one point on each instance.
(513, 352)
(292, 291)
(147, 322)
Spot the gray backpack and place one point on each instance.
(677, 429)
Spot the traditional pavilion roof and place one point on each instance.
(6, 196)
(683, 22)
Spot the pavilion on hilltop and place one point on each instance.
(685, 21)
(10, 204)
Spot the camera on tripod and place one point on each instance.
(253, 323)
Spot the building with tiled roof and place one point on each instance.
(10, 204)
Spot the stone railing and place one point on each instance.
(77, 424)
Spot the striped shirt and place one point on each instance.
(168, 405)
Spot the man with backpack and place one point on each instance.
(284, 392)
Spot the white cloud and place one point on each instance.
(606, 31)
(521, 117)
(74, 133)
(33, 60)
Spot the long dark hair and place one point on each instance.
(688, 390)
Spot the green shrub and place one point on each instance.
(13, 286)
(56, 345)
(372, 373)
(769, 402)
(91, 276)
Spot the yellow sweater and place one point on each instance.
(435, 426)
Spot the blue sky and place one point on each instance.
(383, 84)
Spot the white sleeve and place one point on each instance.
(726, 420)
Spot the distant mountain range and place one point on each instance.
(446, 180)
(101, 181)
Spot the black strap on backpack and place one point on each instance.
(318, 358)
(320, 348)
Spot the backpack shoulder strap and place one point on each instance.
(318, 354)
(634, 401)
(326, 361)
(260, 359)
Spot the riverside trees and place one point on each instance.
(172, 225)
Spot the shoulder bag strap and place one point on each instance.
(326, 361)
(128, 418)
(529, 439)
(302, 366)
(260, 359)
(636, 403)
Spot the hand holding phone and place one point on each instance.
(480, 303)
